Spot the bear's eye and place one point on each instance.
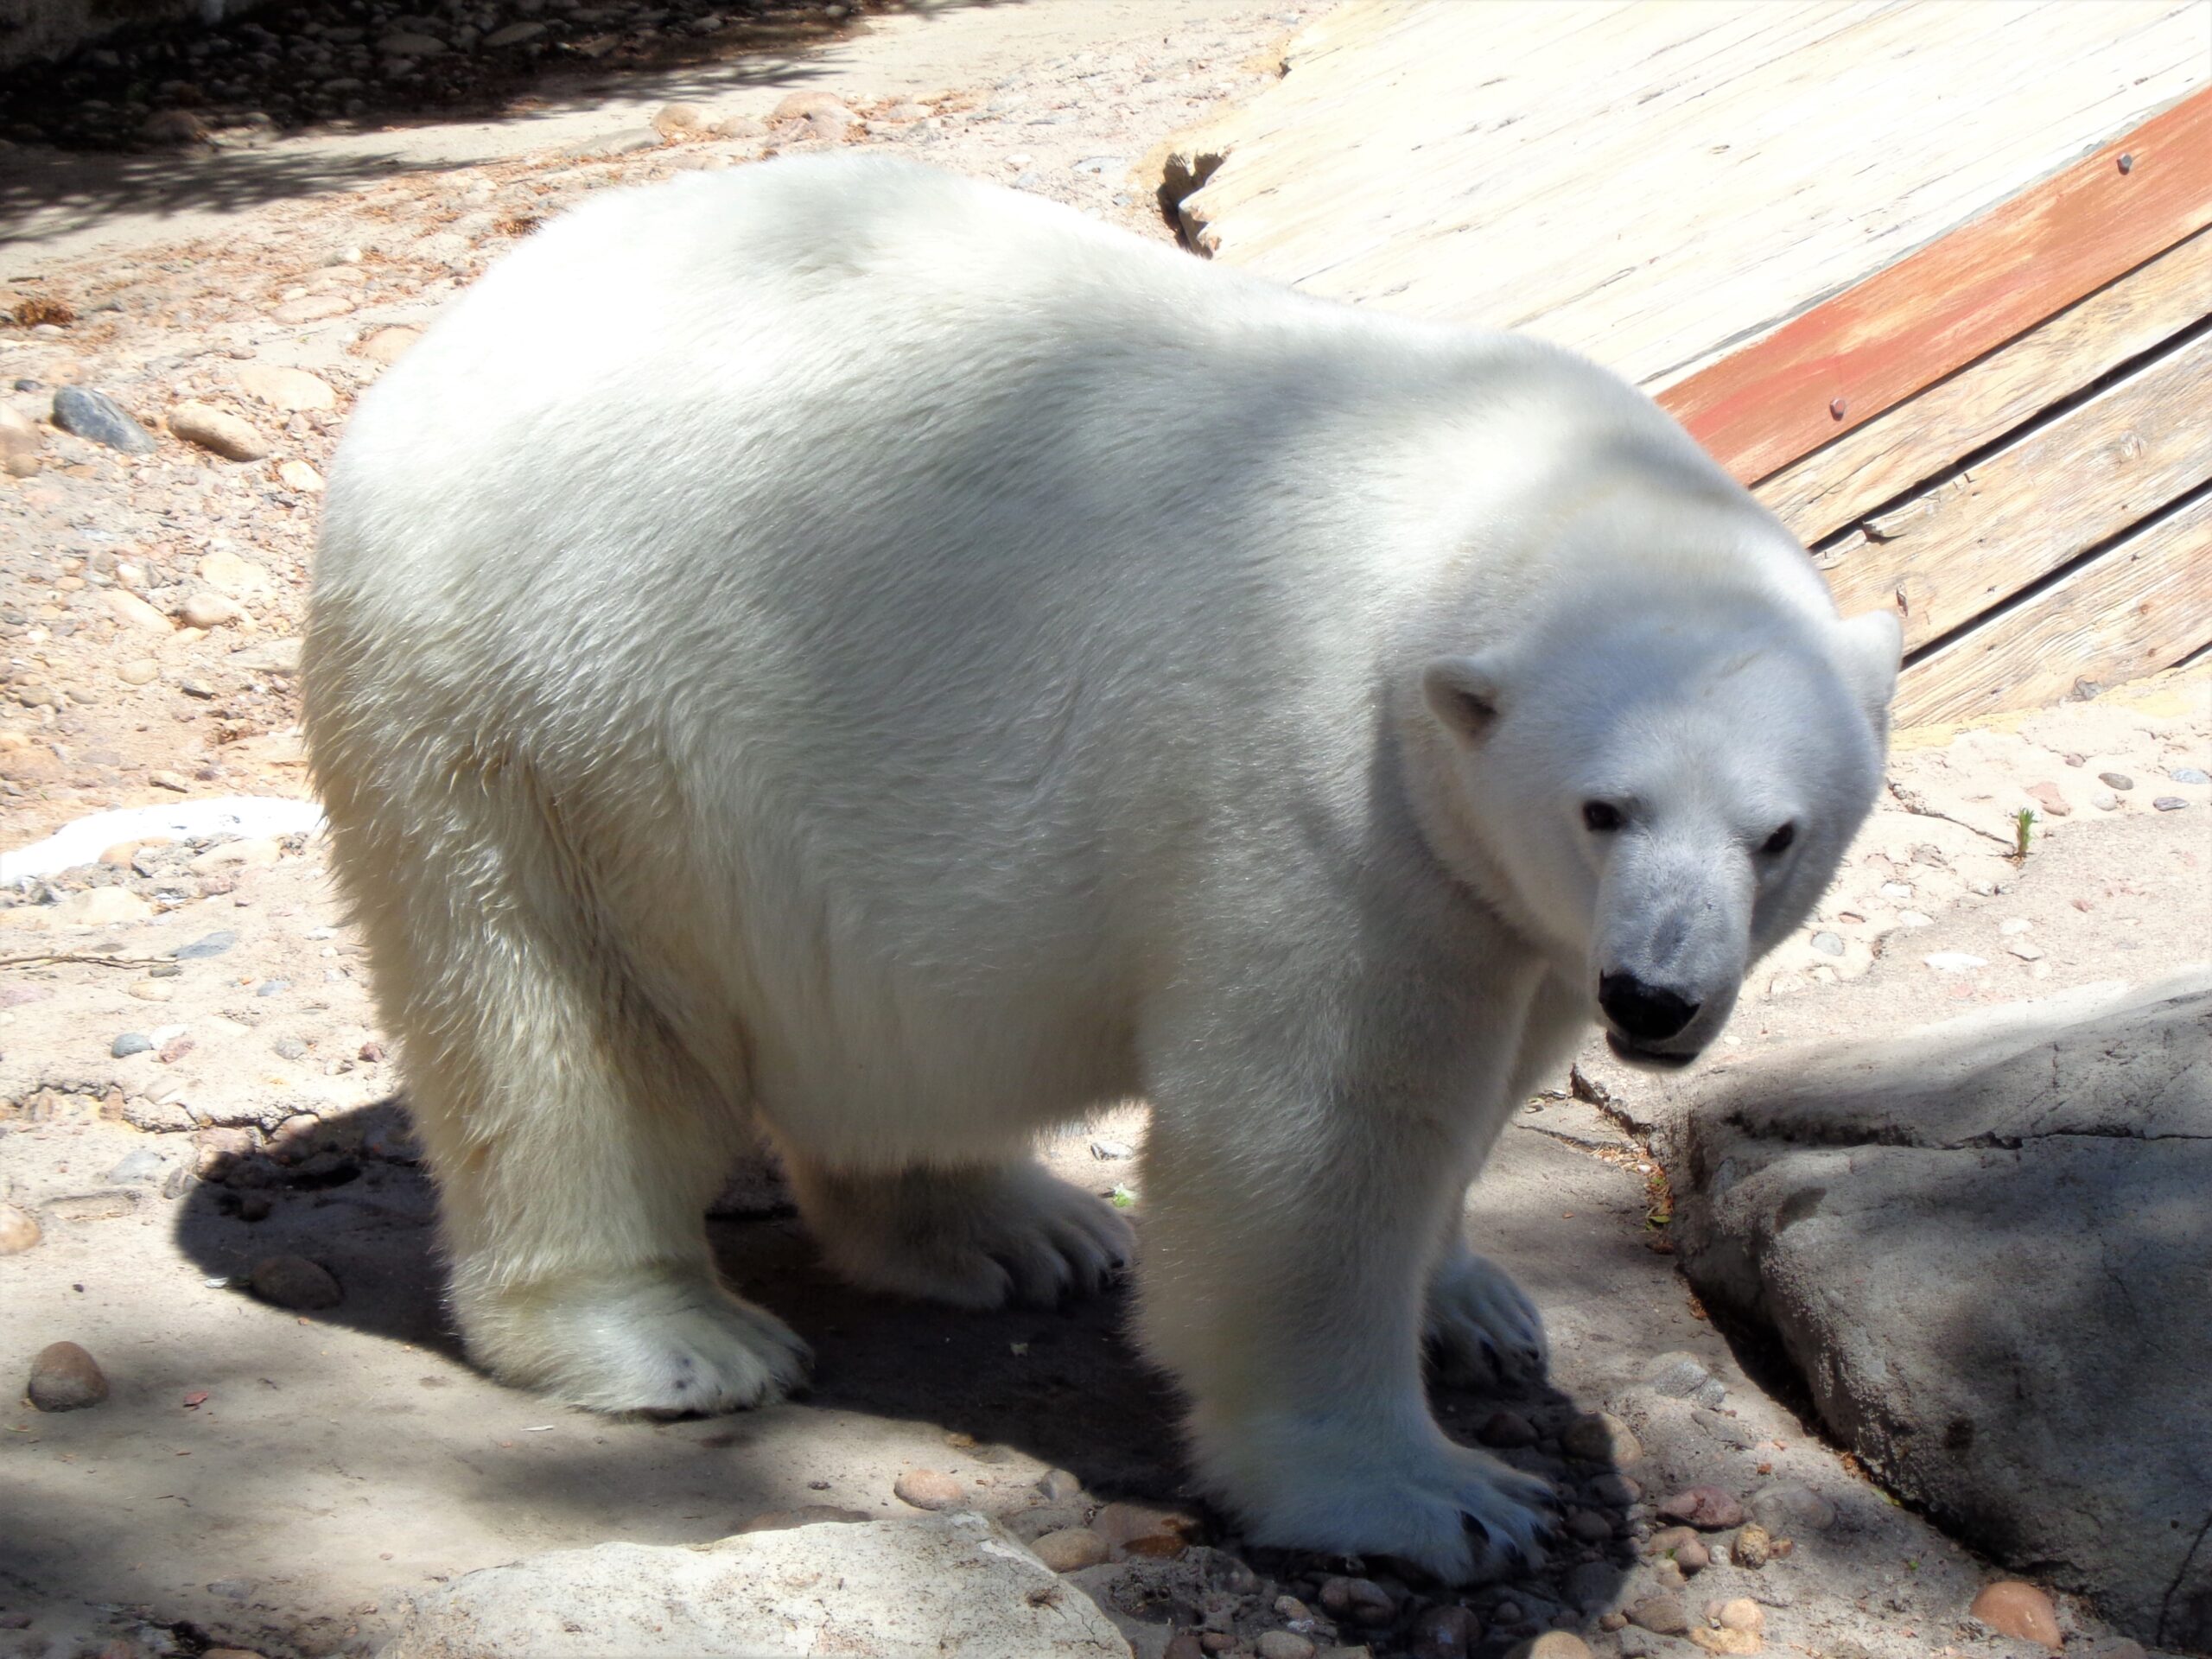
(1602, 816)
(1778, 843)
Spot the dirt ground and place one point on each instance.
(194, 1082)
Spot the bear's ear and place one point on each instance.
(1463, 693)
(1873, 646)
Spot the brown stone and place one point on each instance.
(1071, 1548)
(1140, 1529)
(2019, 1610)
(1661, 1615)
(294, 1281)
(19, 1230)
(218, 431)
(2046, 796)
(1706, 1508)
(929, 1489)
(64, 1377)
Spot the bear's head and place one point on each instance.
(1655, 783)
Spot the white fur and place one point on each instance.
(835, 646)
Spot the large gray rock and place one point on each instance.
(1987, 1247)
(927, 1585)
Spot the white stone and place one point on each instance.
(1953, 962)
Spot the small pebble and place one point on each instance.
(1058, 1485)
(213, 944)
(294, 1281)
(1600, 1437)
(131, 1042)
(1615, 1489)
(1554, 1644)
(2104, 801)
(1706, 1508)
(2119, 780)
(2188, 775)
(1140, 1529)
(64, 1377)
(19, 1230)
(929, 1489)
(1071, 1550)
(1661, 1615)
(1829, 944)
(97, 417)
(1589, 1526)
(1753, 1547)
(2046, 796)
(1508, 1429)
(1283, 1644)
(218, 431)
(2019, 1610)
(1361, 1600)
(1742, 1613)
(2169, 802)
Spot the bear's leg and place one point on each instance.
(575, 1142)
(1482, 1329)
(975, 1237)
(1292, 1217)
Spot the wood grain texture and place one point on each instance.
(1868, 349)
(1942, 425)
(1956, 549)
(2143, 604)
(1658, 183)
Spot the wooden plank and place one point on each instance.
(1950, 554)
(1872, 346)
(1931, 432)
(2143, 604)
(1655, 183)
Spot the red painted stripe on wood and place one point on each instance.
(1875, 345)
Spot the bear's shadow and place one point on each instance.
(1063, 1385)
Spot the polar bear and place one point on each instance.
(833, 647)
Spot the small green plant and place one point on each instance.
(1123, 1198)
(2023, 822)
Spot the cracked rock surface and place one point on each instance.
(1986, 1246)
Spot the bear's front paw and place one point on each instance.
(1482, 1329)
(1358, 1490)
(673, 1342)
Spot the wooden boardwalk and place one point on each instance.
(1934, 276)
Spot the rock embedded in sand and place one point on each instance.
(929, 1489)
(1706, 1508)
(2019, 1610)
(218, 431)
(19, 1230)
(97, 418)
(1661, 1615)
(64, 1377)
(294, 1281)
(1071, 1549)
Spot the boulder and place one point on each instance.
(936, 1583)
(1986, 1246)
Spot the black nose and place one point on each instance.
(1644, 1013)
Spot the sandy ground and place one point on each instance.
(277, 1479)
